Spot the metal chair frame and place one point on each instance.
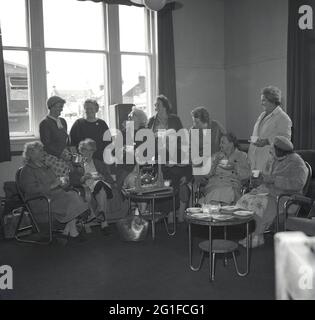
(300, 200)
(305, 190)
(34, 225)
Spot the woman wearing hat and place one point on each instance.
(271, 123)
(53, 130)
(286, 172)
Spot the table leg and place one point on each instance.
(174, 220)
(247, 254)
(190, 252)
(153, 219)
(129, 205)
(225, 260)
(210, 255)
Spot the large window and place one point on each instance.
(135, 59)
(76, 50)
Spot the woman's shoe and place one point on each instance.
(180, 218)
(78, 239)
(170, 218)
(104, 224)
(257, 241)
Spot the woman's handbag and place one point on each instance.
(11, 220)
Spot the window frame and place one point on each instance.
(37, 80)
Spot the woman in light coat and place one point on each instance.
(38, 179)
(271, 123)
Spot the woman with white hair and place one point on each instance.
(139, 119)
(90, 127)
(96, 176)
(38, 179)
(271, 123)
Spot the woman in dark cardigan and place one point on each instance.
(53, 130)
(90, 127)
(179, 174)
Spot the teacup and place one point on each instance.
(254, 139)
(224, 162)
(63, 180)
(206, 208)
(215, 208)
(167, 183)
(94, 174)
(255, 173)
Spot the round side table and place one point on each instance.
(218, 246)
(152, 197)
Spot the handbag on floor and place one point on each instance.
(11, 220)
(133, 228)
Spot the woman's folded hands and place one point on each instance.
(87, 176)
(55, 184)
(268, 179)
(261, 143)
(235, 183)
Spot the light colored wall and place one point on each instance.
(199, 58)
(255, 56)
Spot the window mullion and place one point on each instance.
(37, 64)
(114, 61)
(153, 59)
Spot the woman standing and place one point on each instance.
(90, 127)
(53, 130)
(271, 123)
(179, 174)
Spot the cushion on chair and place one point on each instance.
(301, 224)
(309, 156)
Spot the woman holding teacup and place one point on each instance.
(95, 176)
(271, 123)
(38, 179)
(229, 169)
(285, 172)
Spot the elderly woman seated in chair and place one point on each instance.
(95, 176)
(229, 170)
(285, 172)
(38, 179)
